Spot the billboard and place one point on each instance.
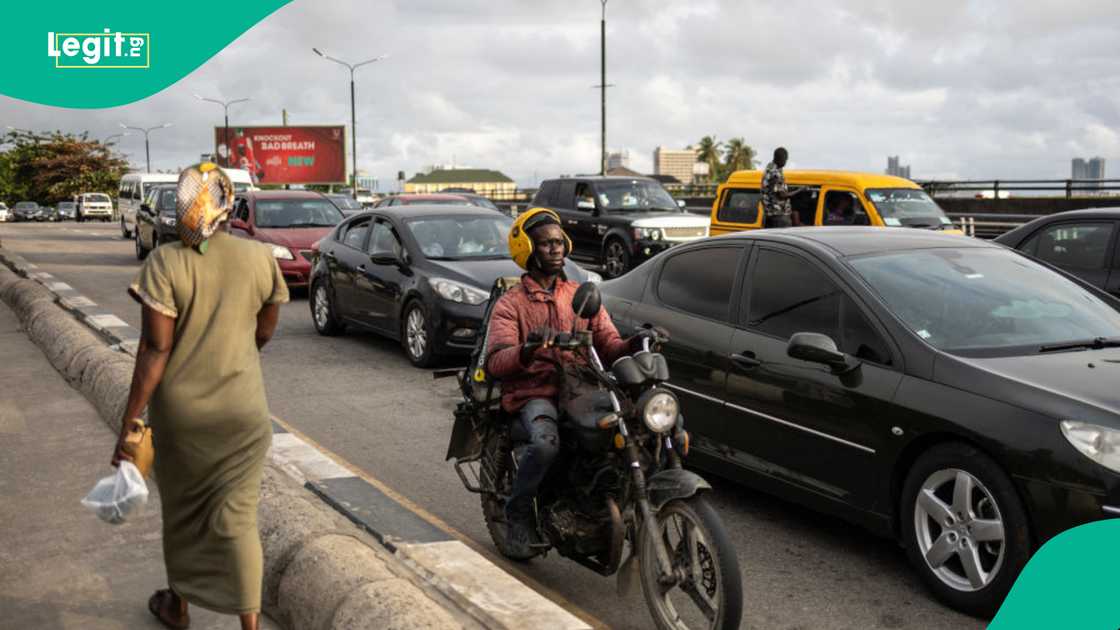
(285, 155)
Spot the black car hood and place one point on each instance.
(483, 273)
(1064, 385)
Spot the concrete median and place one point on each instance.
(321, 571)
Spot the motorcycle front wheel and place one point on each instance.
(705, 590)
(496, 478)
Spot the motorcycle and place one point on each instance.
(616, 499)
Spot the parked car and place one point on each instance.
(134, 190)
(413, 199)
(288, 220)
(879, 200)
(348, 205)
(50, 214)
(67, 210)
(155, 222)
(5, 214)
(94, 206)
(1081, 242)
(27, 211)
(619, 222)
(935, 388)
(421, 275)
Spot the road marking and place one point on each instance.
(436, 521)
(59, 286)
(107, 321)
(78, 301)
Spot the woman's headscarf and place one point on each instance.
(203, 201)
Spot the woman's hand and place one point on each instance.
(119, 454)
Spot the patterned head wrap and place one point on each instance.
(204, 199)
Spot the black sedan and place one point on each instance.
(419, 274)
(942, 390)
(155, 220)
(67, 210)
(1081, 242)
(347, 204)
(27, 211)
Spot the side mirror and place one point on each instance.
(240, 224)
(587, 301)
(680, 203)
(818, 348)
(145, 208)
(585, 204)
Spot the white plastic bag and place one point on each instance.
(115, 497)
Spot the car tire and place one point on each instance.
(141, 251)
(125, 233)
(964, 527)
(323, 313)
(416, 335)
(616, 258)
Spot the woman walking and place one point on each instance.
(209, 304)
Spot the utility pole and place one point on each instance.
(603, 85)
(225, 130)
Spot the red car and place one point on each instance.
(291, 221)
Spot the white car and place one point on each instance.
(94, 206)
(5, 216)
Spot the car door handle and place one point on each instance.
(329, 254)
(745, 362)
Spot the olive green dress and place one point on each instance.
(209, 418)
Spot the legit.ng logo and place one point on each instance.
(106, 50)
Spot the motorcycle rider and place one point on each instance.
(534, 312)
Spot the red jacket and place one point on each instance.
(520, 311)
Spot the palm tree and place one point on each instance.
(738, 155)
(708, 151)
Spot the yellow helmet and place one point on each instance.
(520, 245)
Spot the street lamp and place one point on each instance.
(353, 115)
(147, 152)
(603, 90)
(225, 107)
(115, 135)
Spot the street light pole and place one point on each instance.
(225, 130)
(603, 91)
(353, 114)
(147, 150)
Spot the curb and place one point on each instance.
(293, 539)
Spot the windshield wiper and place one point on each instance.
(1096, 343)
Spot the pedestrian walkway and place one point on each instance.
(61, 567)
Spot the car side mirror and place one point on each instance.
(240, 224)
(818, 348)
(587, 301)
(145, 208)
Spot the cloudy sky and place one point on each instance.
(958, 89)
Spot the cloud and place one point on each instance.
(961, 88)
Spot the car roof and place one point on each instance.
(854, 179)
(422, 210)
(281, 194)
(603, 178)
(1094, 213)
(430, 196)
(859, 240)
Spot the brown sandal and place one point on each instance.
(160, 603)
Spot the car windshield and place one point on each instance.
(240, 187)
(634, 195)
(346, 203)
(986, 302)
(97, 197)
(907, 207)
(167, 198)
(26, 205)
(65, 205)
(460, 238)
(438, 201)
(285, 213)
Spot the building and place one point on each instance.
(482, 181)
(895, 168)
(618, 159)
(1090, 169)
(676, 162)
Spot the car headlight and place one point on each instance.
(457, 291)
(593, 277)
(1100, 444)
(168, 220)
(648, 234)
(660, 410)
(282, 253)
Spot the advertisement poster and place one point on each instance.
(285, 155)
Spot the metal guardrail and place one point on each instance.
(1068, 187)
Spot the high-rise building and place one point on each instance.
(1090, 169)
(897, 169)
(1096, 168)
(1079, 169)
(618, 159)
(675, 162)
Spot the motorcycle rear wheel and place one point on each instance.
(496, 472)
(709, 592)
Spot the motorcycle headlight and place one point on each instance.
(457, 291)
(660, 411)
(1100, 444)
(282, 253)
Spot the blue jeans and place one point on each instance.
(539, 418)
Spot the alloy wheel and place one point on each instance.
(959, 530)
(322, 307)
(416, 333)
(615, 262)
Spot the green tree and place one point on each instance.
(738, 156)
(708, 152)
(56, 166)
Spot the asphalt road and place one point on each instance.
(358, 396)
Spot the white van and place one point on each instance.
(133, 191)
(241, 179)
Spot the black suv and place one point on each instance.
(618, 222)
